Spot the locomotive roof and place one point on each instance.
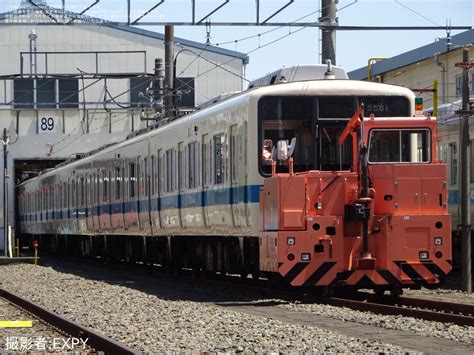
(300, 88)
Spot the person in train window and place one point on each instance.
(267, 152)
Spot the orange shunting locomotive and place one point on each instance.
(382, 224)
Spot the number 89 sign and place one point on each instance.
(46, 124)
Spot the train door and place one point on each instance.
(205, 159)
(95, 202)
(234, 179)
(145, 201)
(89, 208)
(117, 197)
(105, 222)
(238, 175)
(181, 179)
(74, 206)
(82, 214)
(67, 207)
(155, 202)
(131, 210)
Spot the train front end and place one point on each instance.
(383, 224)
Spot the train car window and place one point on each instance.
(139, 178)
(442, 152)
(181, 174)
(118, 183)
(56, 197)
(169, 170)
(233, 153)
(49, 200)
(205, 160)
(145, 179)
(94, 190)
(131, 180)
(153, 175)
(63, 195)
(91, 190)
(105, 186)
(280, 120)
(192, 165)
(198, 173)
(399, 145)
(453, 166)
(74, 193)
(81, 192)
(219, 159)
(336, 106)
(86, 190)
(159, 173)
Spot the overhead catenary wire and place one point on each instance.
(197, 56)
(417, 13)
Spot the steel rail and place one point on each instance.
(97, 341)
(431, 304)
(399, 307)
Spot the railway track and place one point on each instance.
(432, 310)
(440, 311)
(96, 343)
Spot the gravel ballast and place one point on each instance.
(453, 332)
(156, 322)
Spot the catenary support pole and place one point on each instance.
(464, 179)
(169, 57)
(5, 189)
(328, 33)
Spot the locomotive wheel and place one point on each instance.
(396, 291)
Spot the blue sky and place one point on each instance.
(353, 48)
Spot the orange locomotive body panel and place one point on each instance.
(309, 234)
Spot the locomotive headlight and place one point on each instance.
(423, 255)
(438, 241)
(290, 241)
(305, 257)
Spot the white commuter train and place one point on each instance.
(187, 192)
(448, 151)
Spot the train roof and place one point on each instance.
(299, 88)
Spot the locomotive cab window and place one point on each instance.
(399, 146)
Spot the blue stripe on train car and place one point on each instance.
(215, 197)
(453, 197)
